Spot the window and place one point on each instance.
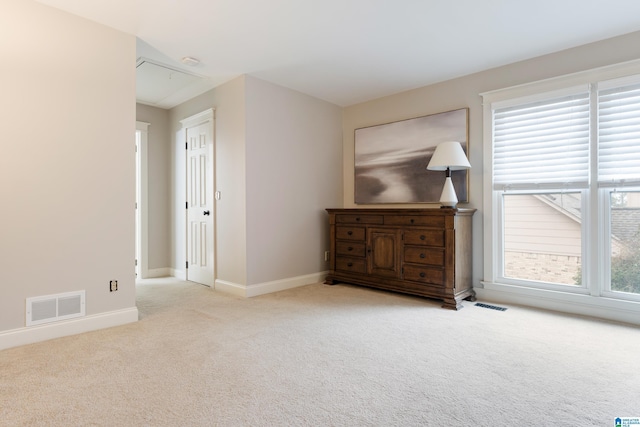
(564, 190)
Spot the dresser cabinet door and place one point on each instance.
(384, 252)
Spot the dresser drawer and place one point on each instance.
(429, 221)
(353, 265)
(350, 233)
(359, 219)
(424, 255)
(424, 274)
(424, 237)
(350, 248)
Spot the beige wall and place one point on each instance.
(465, 92)
(67, 167)
(159, 184)
(294, 152)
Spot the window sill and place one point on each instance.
(585, 305)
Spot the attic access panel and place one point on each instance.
(155, 82)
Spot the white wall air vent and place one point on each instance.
(51, 308)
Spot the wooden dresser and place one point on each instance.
(424, 252)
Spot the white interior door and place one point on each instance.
(200, 209)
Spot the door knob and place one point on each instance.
(207, 212)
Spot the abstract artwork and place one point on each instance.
(391, 159)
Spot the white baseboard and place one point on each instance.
(268, 287)
(178, 274)
(230, 288)
(583, 305)
(33, 334)
(158, 272)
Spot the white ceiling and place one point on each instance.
(350, 51)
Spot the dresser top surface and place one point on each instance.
(403, 211)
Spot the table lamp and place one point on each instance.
(449, 156)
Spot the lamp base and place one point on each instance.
(448, 198)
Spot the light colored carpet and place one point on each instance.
(325, 356)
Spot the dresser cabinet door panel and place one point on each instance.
(384, 253)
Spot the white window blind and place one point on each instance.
(543, 144)
(619, 136)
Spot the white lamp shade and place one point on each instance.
(449, 155)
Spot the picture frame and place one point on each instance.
(391, 159)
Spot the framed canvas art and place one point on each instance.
(391, 159)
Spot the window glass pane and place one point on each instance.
(624, 239)
(543, 238)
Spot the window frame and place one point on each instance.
(595, 233)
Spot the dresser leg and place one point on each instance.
(452, 304)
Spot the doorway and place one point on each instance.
(141, 141)
(199, 132)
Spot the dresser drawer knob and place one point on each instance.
(423, 256)
(422, 275)
(351, 265)
(349, 248)
(350, 233)
(412, 221)
(357, 219)
(422, 237)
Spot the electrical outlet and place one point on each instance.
(113, 285)
(326, 255)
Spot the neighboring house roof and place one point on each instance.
(625, 222)
(568, 203)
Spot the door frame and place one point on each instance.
(206, 116)
(142, 201)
